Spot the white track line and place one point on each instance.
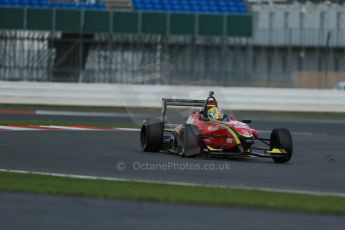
(58, 128)
(126, 129)
(75, 128)
(294, 191)
(71, 113)
(13, 128)
(52, 127)
(87, 114)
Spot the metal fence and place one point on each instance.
(119, 58)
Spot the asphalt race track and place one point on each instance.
(318, 163)
(31, 212)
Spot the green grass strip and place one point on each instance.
(66, 123)
(137, 191)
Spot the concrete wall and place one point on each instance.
(150, 96)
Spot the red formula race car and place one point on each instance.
(209, 131)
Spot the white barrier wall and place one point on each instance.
(116, 95)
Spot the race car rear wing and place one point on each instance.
(180, 102)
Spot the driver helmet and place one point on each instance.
(215, 114)
(211, 104)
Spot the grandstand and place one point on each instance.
(204, 6)
(181, 6)
(231, 42)
(59, 4)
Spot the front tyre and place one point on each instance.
(281, 139)
(188, 141)
(151, 135)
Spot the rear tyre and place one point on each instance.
(151, 135)
(281, 139)
(188, 143)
